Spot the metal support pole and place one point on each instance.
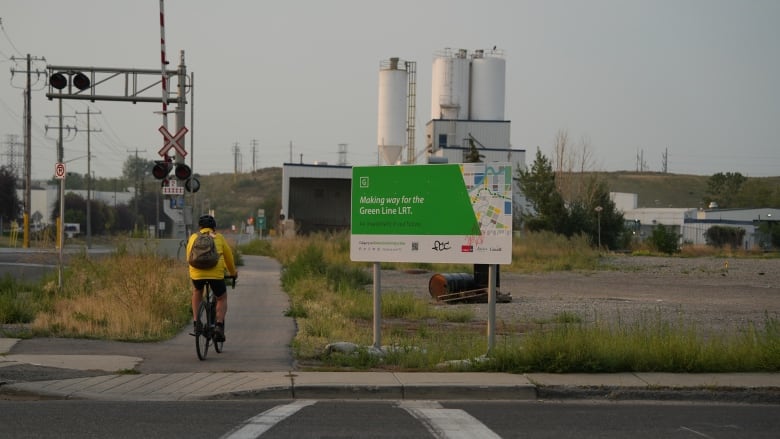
(27, 158)
(377, 306)
(61, 225)
(491, 326)
(89, 185)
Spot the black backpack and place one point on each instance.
(203, 254)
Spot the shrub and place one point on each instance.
(720, 236)
(664, 239)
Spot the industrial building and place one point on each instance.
(691, 224)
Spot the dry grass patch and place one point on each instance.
(132, 297)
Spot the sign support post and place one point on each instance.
(377, 305)
(491, 323)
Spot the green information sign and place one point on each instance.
(432, 213)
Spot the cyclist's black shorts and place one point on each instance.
(217, 285)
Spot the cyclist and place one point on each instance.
(215, 276)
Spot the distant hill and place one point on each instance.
(236, 197)
(666, 190)
(660, 190)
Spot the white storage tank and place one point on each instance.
(488, 86)
(391, 123)
(450, 85)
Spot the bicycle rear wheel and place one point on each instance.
(203, 339)
(217, 344)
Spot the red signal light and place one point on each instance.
(58, 81)
(81, 81)
(183, 171)
(161, 169)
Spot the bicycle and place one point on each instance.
(207, 316)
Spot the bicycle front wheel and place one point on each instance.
(203, 339)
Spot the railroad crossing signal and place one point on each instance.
(172, 141)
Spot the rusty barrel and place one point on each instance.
(448, 283)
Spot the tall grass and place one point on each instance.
(546, 251)
(20, 301)
(132, 297)
(649, 345)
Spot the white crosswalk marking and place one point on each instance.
(257, 425)
(447, 423)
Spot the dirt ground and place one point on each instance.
(710, 293)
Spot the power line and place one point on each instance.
(8, 38)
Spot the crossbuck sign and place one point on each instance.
(173, 141)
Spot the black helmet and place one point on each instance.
(207, 221)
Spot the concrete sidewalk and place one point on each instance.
(115, 385)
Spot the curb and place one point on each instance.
(282, 385)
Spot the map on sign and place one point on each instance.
(456, 213)
(490, 190)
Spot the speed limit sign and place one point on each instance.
(59, 171)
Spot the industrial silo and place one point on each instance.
(450, 85)
(488, 84)
(391, 124)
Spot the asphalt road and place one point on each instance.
(384, 419)
(27, 265)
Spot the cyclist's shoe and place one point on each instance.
(219, 333)
(197, 328)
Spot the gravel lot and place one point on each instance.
(711, 293)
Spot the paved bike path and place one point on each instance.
(258, 336)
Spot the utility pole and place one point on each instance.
(61, 159)
(236, 153)
(137, 191)
(665, 160)
(28, 142)
(89, 176)
(254, 154)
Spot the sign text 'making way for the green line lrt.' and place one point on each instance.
(448, 213)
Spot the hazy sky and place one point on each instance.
(696, 77)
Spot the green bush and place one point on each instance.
(664, 239)
(19, 302)
(721, 236)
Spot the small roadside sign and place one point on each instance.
(59, 170)
(172, 188)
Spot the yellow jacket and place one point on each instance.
(226, 262)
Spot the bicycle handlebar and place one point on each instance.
(233, 278)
